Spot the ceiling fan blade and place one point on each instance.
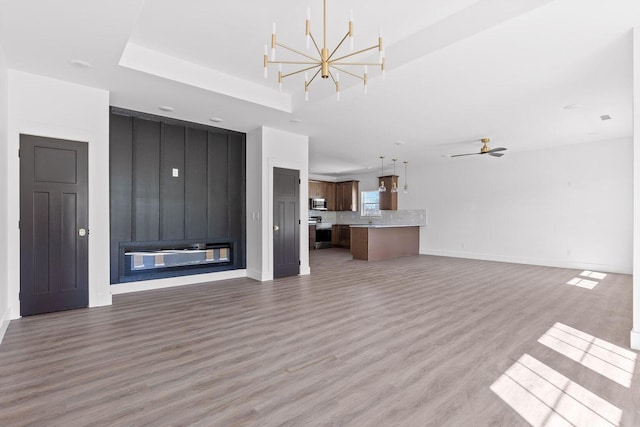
(496, 154)
(496, 149)
(461, 155)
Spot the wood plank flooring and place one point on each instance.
(410, 342)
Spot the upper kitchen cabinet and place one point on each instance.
(347, 196)
(389, 199)
(331, 196)
(317, 189)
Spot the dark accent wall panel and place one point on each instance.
(120, 178)
(218, 183)
(196, 223)
(146, 180)
(150, 207)
(172, 200)
(237, 189)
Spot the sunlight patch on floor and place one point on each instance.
(543, 397)
(593, 274)
(609, 360)
(582, 283)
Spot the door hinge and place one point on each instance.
(18, 152)
(299, 262)
(299, 222)
(299, 181)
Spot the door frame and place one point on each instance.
(267, 218)
(63, 144)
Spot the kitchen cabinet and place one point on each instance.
(331, 196)
(347, 196)
(388, 199)
(341, 236)
(317, 189)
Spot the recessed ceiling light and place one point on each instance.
(296, 120)
(166, 108)
(398, 143)
(605, 117)
(572, 106)
(79, 63)
(216, 119)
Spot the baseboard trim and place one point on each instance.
(635, 340)
(148, 285)
(4, 323)
(606, 268)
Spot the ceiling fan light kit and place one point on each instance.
(324, 64)
(495, 152)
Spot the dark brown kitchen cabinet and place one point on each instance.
(347, 196)
(317, 190)
(389, 199)
(331, 196)
(341, 236)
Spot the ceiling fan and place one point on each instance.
(495, 152)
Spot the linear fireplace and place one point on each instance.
(140, 261)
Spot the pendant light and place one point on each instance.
(394, 187)
(406, 180)
(382, 188)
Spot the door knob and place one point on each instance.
(82, 232)
(276, 228)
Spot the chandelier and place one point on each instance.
(326, 64)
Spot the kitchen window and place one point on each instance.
(370, 203)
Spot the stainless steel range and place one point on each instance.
(323, 232)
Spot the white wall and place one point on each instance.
(4, 283)
(267, 149)
(52, 108)
(570, 206)
(635, 332)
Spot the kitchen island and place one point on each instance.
(374, 242)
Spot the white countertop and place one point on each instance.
(382, 225)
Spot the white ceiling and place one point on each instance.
(457, 70)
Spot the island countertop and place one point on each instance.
(382, 225)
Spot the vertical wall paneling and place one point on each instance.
(172, 199)
(146, 180)
(218, 176)
(120, 179)
(152, 208)
(237, 188)
(195, 174)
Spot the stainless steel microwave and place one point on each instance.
(318, 204)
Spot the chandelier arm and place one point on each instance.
(357, 53)
(339, 44)
(332, 78)
(334, 63)
(342, 70)
(314, 76)
(297, 51)
(315, 44)
(315, 64)
(299, 71)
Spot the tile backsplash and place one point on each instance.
(399, 217)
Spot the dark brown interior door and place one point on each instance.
(286, 223)
(53, 225)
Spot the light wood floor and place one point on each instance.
(411, 342)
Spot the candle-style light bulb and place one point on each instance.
(308, 29)
(266, 61)
(273, 41)
(351, 29)
(306, 86)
